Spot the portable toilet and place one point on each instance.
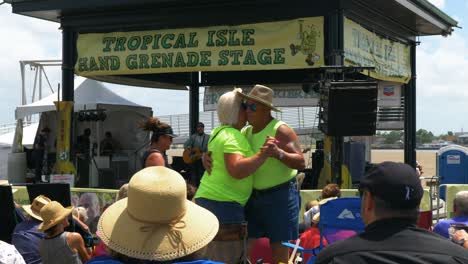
(452, 166)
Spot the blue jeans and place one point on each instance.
(226, 212)
(274, 213)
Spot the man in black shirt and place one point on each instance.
(391, 194)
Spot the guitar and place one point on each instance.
(191, 155)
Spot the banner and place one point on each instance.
(63, 164)
(292, 44)
(284, 96)
(364, 48)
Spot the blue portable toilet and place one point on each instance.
(452, 166)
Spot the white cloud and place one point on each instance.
(442, 83)
(23, 38)
(438, 3)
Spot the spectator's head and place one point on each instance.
(80, 213)
(331, 190)
(54, 217)
(156, 221)
(162, 133)
(123, 192)
(460, 204)
(35, 207)
(311, 204)
(90, 201)
(191, 190)
(200, 128)
(45, 130)
(390, 190)
(108, 134)
(87, 132)
(229, 109)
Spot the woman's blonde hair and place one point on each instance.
(228, 107)
(80, 213)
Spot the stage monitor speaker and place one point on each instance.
(59, 192)
(349, 109)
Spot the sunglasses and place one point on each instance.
(252, 107)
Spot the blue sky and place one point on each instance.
(442, 70)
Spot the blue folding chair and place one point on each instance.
(339, 219)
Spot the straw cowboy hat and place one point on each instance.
(261, 94)
(156, 221)
(34, 209)
(52, 213)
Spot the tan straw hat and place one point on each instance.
(52, 213)
(34, 209)
(4, 182)
(156, 221)
(261, 94)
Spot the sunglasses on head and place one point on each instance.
(252, 107)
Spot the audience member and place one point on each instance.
(80, 213)
(26, 237)
(191, 191)
(90, 202)
(156, 223)
(9, 254)
(59, 246)
(274, 183)
(460, 237)
(161, 140)
(331, 190)
(460, 213)
(311, 237)
(123, 192)
(391, 194)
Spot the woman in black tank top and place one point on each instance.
(161, 140)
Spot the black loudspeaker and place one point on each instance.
(107, 179)
(59, 192)
(348, 109)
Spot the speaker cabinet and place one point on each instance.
(348, 109)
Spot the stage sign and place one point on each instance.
(292, 44)
(364, 48)
(284, 96)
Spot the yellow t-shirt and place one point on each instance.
(273, 172)
(220, 185)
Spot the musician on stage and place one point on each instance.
(194, 147)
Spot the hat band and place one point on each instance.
(172, 222)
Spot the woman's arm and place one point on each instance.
(240, 167)
(76, 243)
(155, 159)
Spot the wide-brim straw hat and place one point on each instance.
(52, 213)
(261, 94)
(156, 221)
(34, 209)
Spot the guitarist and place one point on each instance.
(198, 142)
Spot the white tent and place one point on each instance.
(122, 115)
(90, 95)
(122, 120)
(29, 133)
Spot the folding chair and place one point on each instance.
(339, 219)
